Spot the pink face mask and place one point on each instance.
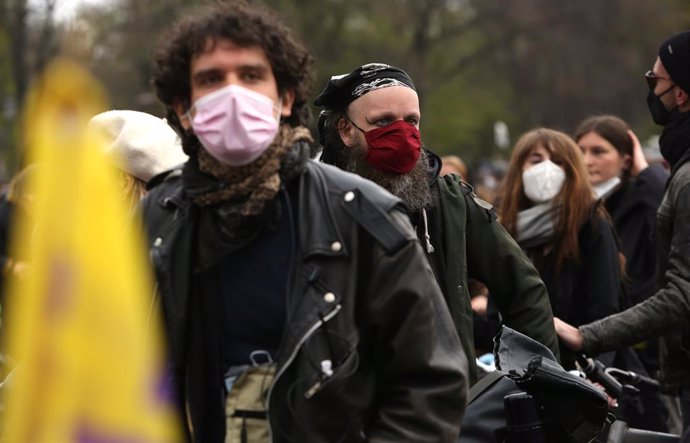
(234, 124)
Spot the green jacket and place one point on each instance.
(470, 243)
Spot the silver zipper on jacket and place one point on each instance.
(427, 237)
(188, 409)
(153, 256)
(288, 287)
(289, 361)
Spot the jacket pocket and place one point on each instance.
(246, 408)
(333, 371)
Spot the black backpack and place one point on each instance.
(567, 407)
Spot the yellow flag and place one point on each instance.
(81, 327)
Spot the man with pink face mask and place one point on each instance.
(297, 302)
(370, 126)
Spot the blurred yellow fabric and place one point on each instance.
(82, 326)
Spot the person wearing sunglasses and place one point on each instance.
(667, 312)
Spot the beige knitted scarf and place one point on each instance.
(258, 181)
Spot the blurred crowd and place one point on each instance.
(347, 298)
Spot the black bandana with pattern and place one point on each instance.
(341, 90)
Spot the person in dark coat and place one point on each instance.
(370, 126)
(632, 191)
(667, 312)
(297, 304)
(550, 209)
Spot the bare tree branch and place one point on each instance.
(501, 41)
(19, 12)
(46, 43)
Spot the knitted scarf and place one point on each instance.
(236, 203)
(536, 225)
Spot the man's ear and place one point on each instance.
(288, 99)
(682, 98)
(346, 130)
(180, 110)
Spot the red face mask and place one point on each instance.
(394, 148)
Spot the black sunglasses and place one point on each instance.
(652, 79)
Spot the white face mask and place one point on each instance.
(543, 181)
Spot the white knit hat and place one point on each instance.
(143, 145)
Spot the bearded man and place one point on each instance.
(370, 126)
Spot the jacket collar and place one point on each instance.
(319, 233)
(167, 190)
(434, 164)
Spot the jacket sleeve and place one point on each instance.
(634, 216)
(422, 386)
(495, 259)
(665, 312)
(648, 191)
(650, 184)
(649, 188)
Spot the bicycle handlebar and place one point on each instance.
(635, 379)
(613, 379)
(622, 385)
(596, 371)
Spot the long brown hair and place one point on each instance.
(576, 198)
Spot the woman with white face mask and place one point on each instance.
(549, 208)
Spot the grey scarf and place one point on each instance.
(535, 225)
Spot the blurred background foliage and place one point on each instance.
(475, 62)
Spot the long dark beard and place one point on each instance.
(412, 188)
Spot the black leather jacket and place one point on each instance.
(362, 297)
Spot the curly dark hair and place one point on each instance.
(245, 25)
